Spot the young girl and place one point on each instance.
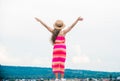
(59, 47)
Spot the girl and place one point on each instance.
(59, 47)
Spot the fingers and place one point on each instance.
(80, 18)
(36, 18)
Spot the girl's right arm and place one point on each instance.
(48, 28)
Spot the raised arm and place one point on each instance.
(49, 28)
(75, 22)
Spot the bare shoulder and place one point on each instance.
(62, 33)
(50, 29)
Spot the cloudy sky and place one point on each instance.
(93, 44)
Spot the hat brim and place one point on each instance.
(56, 27)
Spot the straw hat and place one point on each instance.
(59, 24)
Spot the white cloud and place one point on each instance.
(3, 52)
(99, 60)
(81, 59)
(44, 62)
(5, 57)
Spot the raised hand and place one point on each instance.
(45, 25)
(80, 19)
(37, 19)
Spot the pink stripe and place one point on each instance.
(60, 55)
(59, 46)
(59, 49)
(57, 66)
(59, 52)
(62, 66)
(60, 37)
(58, 59)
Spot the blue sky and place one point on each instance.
(93, 44)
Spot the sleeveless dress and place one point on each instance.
(59, 55)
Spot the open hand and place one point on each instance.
(37, 19)
(80, 19)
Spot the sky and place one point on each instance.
(93, 44)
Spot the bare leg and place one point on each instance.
(62, 75)
(56, 75)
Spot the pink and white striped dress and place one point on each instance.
(59, 55)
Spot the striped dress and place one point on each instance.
(59, 55)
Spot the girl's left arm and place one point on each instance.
(74, 23)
